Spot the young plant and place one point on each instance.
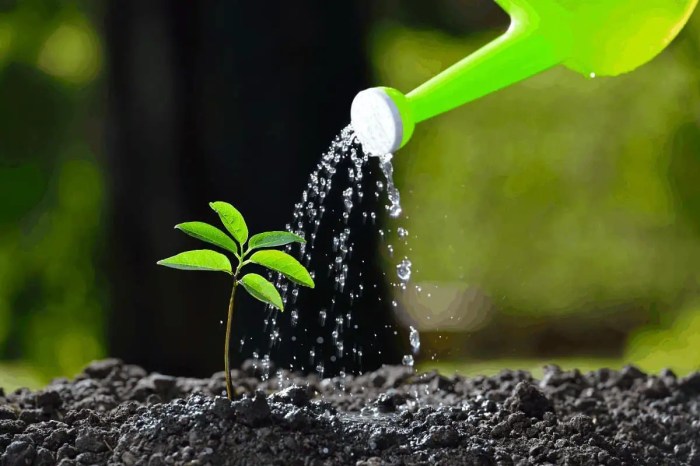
(256, 251)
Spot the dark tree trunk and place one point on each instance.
(223, 100)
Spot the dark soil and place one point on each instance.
(115, 413)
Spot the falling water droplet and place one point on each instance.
(394, 206)
(407, 360)
(347, 199)
(414, 338)
(339, 346)
(403, 270)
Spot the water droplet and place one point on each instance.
(339, 346)
(402, 232)
(403, 270)
(394, 206)
(407, 360)
(347, 199)
(394, 210)
(414, 338)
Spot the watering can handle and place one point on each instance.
(518, 54)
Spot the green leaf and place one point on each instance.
(259, 288)
(272, 239)
(208, 233)
(285, 264)
(232, 220)
(202, 260)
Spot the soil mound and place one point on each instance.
(115, 413)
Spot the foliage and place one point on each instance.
(256, 285)
(52, 302)
(674, 344)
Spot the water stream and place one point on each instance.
(346, 157)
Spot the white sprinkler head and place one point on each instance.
(377, 122)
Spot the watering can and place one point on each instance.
(591, 37)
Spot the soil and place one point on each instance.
(115, 413)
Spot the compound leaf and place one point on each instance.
(201, 260)
(262, 290)
(232, 220)
(273, 239)
(208, 233)
(285, 264)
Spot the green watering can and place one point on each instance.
(592, 37)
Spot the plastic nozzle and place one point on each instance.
(381, 120)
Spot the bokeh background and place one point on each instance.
(557, 220)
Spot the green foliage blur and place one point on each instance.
(51, 302)
(560, 196)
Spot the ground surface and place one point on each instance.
(118, 414)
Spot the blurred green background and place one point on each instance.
(51, 301)
(558, 220)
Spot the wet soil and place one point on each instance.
(114, 413)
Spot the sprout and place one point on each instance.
(257, 251)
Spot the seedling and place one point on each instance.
(256, 251)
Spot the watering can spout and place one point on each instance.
(591, 37)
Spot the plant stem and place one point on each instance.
(229, 385)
